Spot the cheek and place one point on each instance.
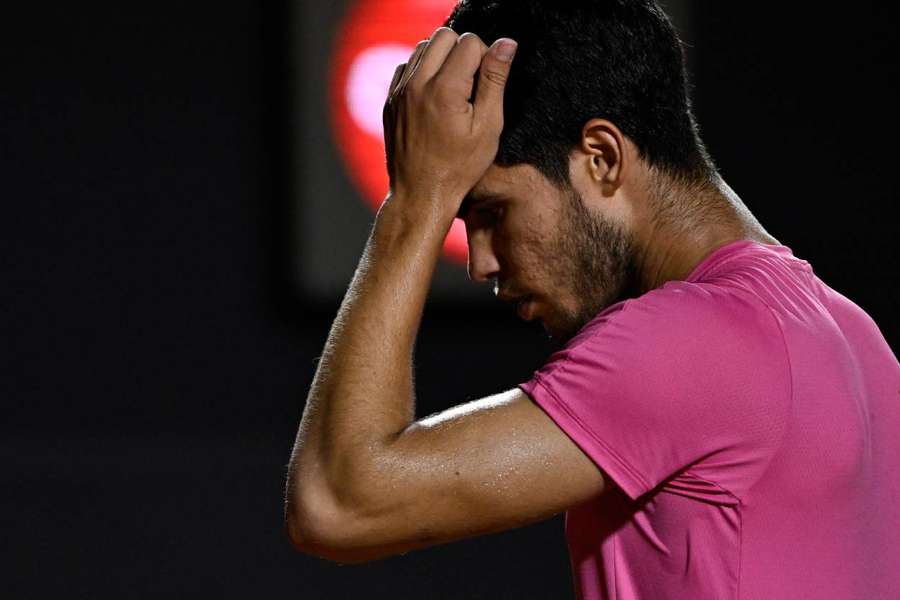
(527, 242)
(530, 260)
(531, 233)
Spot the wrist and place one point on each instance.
(404, 246)
(425, 214)
(429, 200)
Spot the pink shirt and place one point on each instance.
(750, 417)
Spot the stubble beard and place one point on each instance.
(595, 263)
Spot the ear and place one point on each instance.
(603, 148)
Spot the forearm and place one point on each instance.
(362, 395)
(348, 470)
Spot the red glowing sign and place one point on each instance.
(374, 37)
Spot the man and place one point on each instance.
(720, 423)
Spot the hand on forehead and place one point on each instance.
(442, 128)
(450, 62)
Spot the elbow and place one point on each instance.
(314, 526)
(305, 537)
(303, 532)
(318, 525)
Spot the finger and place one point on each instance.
(411, 65)
(442, 41)
(457, 74)
(492, 80)
(396, 78)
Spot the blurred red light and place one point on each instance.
(373, 38)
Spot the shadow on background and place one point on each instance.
(158, 353)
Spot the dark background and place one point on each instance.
(157, 353)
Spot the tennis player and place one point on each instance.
(719, 424)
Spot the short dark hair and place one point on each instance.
(620, 60)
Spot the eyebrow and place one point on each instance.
(473, 199)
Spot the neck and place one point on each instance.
(684, 224)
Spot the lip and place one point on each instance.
(523, 304)
(525, 308)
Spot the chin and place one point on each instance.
(560, 333)
(563, 326)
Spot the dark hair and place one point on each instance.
(619, 60)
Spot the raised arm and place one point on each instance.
(365, 480)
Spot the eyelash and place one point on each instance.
(491, 212)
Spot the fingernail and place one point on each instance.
(505, 49)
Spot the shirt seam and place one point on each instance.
(787, 356)
(790, 395)
(801, 265)
(637, 476)
(740, 515)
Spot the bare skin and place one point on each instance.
(366, 480)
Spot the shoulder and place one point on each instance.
(661, 381)
(689, 316)
(673, 340)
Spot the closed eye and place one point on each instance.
(488, 214)
(481, 204)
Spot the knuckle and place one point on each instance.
(469, 38)
(494, 76)
(444, 103)
(445, 96)
(442, 80)
(473, 45)
(444, 32)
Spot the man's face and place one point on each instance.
(555, 258)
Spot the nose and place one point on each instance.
(483, 265)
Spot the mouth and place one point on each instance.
(525, 308)
(524, 304)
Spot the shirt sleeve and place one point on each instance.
(682, 378)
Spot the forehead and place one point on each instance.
(518, 182)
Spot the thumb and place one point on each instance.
(494, 72)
